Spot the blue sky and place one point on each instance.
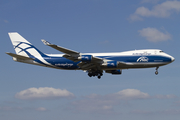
(90, 26)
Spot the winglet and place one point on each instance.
(45, 42)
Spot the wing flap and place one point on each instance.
(86, 66)
(97, 59)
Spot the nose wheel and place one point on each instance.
(156, 71)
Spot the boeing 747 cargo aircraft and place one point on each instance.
(93, 63)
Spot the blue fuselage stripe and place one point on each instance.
(64, 63)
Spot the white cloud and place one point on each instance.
(132, 94)
(161, 10)
(43, 93)
(154, 35)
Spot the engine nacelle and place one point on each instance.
(110, 64)
(85, 58)
(114, 72)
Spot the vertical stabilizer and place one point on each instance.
(23, 47)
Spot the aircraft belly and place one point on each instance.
(137, 65)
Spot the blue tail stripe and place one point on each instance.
(31, 46)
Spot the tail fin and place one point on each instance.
(23, 47)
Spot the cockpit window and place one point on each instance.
(161, 51)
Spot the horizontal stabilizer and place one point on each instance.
(19, 56)
(62, 49)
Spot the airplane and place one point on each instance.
(93, 63)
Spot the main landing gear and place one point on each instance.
(95, 73)
(156, 71)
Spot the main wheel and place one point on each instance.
(90, 74)
(156, 72)
(99, 77)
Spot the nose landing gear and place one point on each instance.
(156, 71)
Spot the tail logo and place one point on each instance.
(28, 49)
(23, 47)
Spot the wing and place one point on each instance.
(86, 61)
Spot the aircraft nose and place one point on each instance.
(172, 59)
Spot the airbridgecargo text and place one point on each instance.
(65, 64)
(141, 54)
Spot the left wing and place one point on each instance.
(87, 61)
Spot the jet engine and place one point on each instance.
(114, 72)
(85, 58)
(110, 64)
